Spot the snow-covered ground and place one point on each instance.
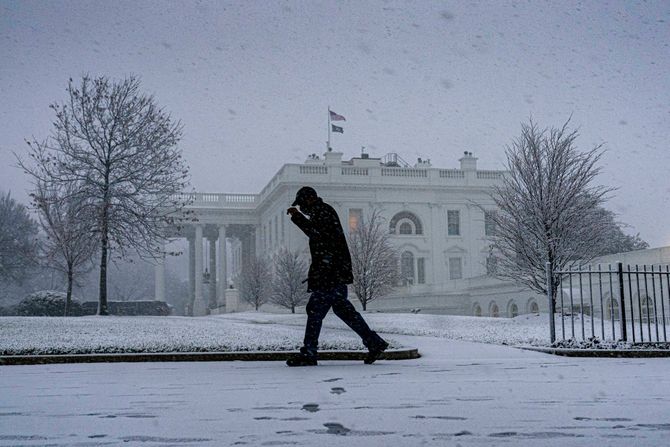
(458, 393)
(231, 332)
(268, 332)
(75, 335)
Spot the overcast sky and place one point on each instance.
(252, 81)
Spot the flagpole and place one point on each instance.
(328, 144)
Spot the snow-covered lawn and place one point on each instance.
(525, 329)
(79, 335)
(253, 331)
(232, 332)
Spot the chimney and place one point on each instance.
(468, 162)
(333, 158)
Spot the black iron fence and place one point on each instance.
(610, 302)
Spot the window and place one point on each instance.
(477, 310)
(612, 310)
(453, 223)
(405, 217)
(494, 311)
(533, 308)
(407, 268)
(647, 309)
(355, 216)
(489, 223)
(421, 270)
(513, 310)
(491, 265)
(405, 228)
(455, 268)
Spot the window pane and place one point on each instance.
(407, 267)
(453, 223)
(491, 265)
(421, 270)
(455, 268)
(489, 224)
(355, 216)
(405, 228)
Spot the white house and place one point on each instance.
(437, 218)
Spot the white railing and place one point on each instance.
(314, 170)
(219, 200)
(404, 172)
(354, 171)
(489, 175)
(452, 173)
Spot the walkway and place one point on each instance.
(457, 393)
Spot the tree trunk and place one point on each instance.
(68, 296)
(102, 300)
(365, 304)
(292, 309)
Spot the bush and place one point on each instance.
(7, 311)
(46, 303)
(129, 308)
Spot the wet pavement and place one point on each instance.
(458, 393)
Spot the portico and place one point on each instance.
(214, 220)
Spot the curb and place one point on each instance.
(612, 353)
(255, 356)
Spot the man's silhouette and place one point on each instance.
(329, 274)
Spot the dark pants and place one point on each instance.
(318, 306)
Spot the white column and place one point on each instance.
(212, 272)
(223, 273)
(159, 277)
(191, 275)
(198, 267)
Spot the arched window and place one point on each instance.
(477, 310)
(512, 310)
(533, 308)
(405, 228)
(493, 310)
(397, 225)
(407, 267)
(647, 309)
(612, 309)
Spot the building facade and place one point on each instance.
(437, 219)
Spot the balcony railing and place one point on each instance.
(219, 200)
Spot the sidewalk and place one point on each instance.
(458, 392)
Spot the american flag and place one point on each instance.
(335, 117)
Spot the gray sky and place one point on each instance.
(252, 80)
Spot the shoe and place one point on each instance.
(302, 360)
(375, 352)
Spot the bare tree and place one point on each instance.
(132, 279)
(288, 286)
(547, 206)
(18, 239)
(374, 260)
(70, 243)
(256, 284)
(121, 148)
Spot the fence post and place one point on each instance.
(622, 302)
(550, 297)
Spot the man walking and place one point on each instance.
(329, 274)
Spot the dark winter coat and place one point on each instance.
(331, 261)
